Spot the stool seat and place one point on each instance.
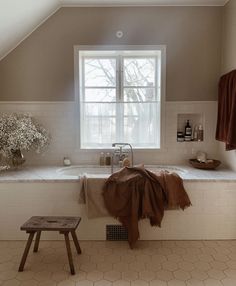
(51, 223)
(63, 224)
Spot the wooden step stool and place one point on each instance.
(64, 225)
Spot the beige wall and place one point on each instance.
(229, 37)
(229, 61)
(42, 67)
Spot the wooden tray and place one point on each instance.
(205, 166)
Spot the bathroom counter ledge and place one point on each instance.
(53, 174)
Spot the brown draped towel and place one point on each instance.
(135, 193)
(226, 121)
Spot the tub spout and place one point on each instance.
(120, 153)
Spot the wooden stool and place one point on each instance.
(64, 225)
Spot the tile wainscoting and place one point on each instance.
(211, 216)
(61, 121)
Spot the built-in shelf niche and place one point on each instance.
(195, 119)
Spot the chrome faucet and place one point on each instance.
(121, 153)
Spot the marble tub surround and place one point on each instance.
(61, 174)
(36, 174)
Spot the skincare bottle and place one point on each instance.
(188, 132)
(195, 133)
(102, 159)
(200, 133)
(108, 159)
(180, 136)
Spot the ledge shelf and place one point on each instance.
(195, 119)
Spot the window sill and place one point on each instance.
(94, 150)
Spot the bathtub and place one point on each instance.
(106, 171)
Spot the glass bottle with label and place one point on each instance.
(108, 159)
(188, 131)
(102, 159)
(195, 133)
(200, 132)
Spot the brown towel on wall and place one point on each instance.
(226, 121)
(135, 193)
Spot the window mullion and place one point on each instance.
(82, 99)
(122, 119)
(117, 100)
(157, 84)
(119, 113)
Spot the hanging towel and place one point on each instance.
(226, 121)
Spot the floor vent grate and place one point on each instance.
(116, 232)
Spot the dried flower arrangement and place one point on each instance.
(21, 132)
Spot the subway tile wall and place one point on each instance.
(62, 121)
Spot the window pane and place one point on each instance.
(141, 124)
(100, 95)
(99, 72)
(99, 132)
(133, 126)
(139, 94)
(98, 124)
(142, 109)
(139, 72)
(99, 109)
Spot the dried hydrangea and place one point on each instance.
(21, 132)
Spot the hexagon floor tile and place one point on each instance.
(102, 263)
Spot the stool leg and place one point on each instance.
(36, 244)
(67, 240)
(26, 251)
(76, 242)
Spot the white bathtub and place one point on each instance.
(106, 171)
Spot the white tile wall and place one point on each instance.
(229, 157)
(211, 216)
(60, 119)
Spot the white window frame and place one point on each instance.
(77, 86)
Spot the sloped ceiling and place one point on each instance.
(19, 18)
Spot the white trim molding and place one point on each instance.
(116, 51)
(130, 3)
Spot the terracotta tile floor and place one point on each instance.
(153, 263)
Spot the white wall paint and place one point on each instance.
(19, 18)
(228, 64)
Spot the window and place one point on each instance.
(119, 92)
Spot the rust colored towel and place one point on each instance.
(226, 121)
(135, 193)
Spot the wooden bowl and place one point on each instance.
(213, 164)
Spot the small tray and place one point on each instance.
(205, 166)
